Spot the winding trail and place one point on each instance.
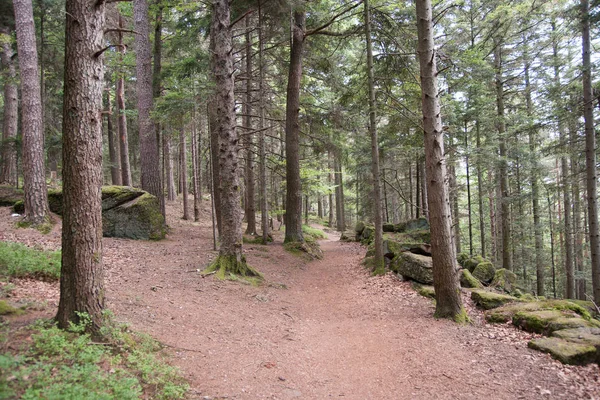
(333, 331)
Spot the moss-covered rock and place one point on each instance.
(469, 281)
(392, 248)
(414, 266)
(484, 272)
(462, 259)
(588, 305)
(504, 280)
(368, 235)
(473, 262)
(506, 312)
(425, 290)
(139, 218)
(489, 300)
(548, 321)
(9, 195)
(565, 351)
(411, 225)
(360, 226)
(388, 227)
(420, 235)
(587, 336)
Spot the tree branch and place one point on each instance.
(331, 21)
(99, 52)
(241, 17)
(120, 30)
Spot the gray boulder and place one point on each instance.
(417, 267)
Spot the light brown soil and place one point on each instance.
(323, 329)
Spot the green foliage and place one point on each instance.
(312, 234)
(20, 261)
(69, 365)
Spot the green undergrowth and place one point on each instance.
(313, 233)
(57, 364)
(44, 228)
(20, 261)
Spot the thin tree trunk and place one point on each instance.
(183, 171)
(378, 266)
(424, 190)
(113, 145)
(156, 92)
(195, 172)
(469, 205)
(480, 188)
(445, 278)
(330, 180)
(82, 276)
(577, 228)
(503, 168)
(590, 152)
(535, 192)
(293, 211)
(214, 144)
(249, 143)
(149, 154)
(34, 178)
(122, 117)
(264, 205)
(8, 174)
(168, 152)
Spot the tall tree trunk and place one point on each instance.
(149, 154)
(418, 188)
(249, 143)
(184, 172)
(82, 276)
(424, 189)
(480, 188)
(339, 191)
(35, 190)
(170, 178)
(196, 184)
(8, 173)
(445, 278)
(231, 259)
(503, 168)
(264, 205)
(469, 204)
(577, 228)
(590, 152)
(535, 191)
(156, 92)
(122, 117)
(113, 145)
(330, 180)
(293, 210)
(214, 142)
(453, 193)
(378, 267)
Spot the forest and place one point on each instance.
(255, 120)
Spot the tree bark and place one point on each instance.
(590, 152)
(156, 92)
(122, 117)
(445, 278)
(195, 170)
(230, 259)
(8, 174)
(378, 266)
(170, 178)
(35, 190)
(82, 276)
(264, 205)
(293, 210)
(480, 188)
(149, 154)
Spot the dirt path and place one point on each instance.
(333, 331)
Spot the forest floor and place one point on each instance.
(314, 330)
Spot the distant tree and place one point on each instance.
(82, 276)
(34, 176)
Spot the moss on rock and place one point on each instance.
(7, 309)
(139, 218)
(565, 351)
(9, 195)
(414, 266)
(473, 262)
(489, 300)
(469, 281)
(425, 290)
(484, 272)
(550, 320)
(504, 280)
(462, 259)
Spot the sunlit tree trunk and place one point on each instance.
(113, 145)
(122, 117)
(249, 142)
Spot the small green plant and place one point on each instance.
(20, 261)
(70, 365)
